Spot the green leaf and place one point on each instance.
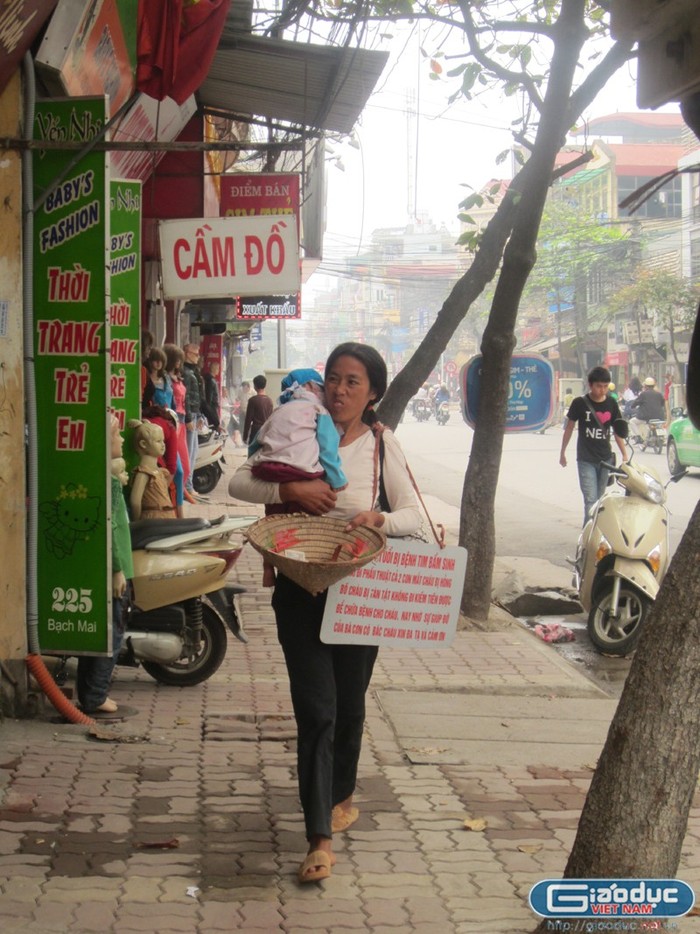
(470, 239)
(502, 156)
(455, 72)
(472, 201)
(471, 73)
(466, 219)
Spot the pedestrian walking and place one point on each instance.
(595, 414)
(329, 682)
(258, 410)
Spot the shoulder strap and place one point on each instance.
(595, 414)
(378, 485)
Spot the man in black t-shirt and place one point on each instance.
(595, 414)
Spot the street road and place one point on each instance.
(539, 508)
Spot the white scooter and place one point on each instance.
(622, 557)
(182, 605)
(210, 456)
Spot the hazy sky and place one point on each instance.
(417, 151)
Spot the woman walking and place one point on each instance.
(328, 683)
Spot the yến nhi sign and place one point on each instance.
(409, 596)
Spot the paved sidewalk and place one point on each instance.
(191, 823)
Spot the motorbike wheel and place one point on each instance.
(617, 636)
(204, 479)
(198, 667)
(658, 445)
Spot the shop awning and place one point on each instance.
(322, 87)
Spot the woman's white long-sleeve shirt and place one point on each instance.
(357, 459)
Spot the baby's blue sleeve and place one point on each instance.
(327, 436)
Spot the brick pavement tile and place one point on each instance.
(317, 916)
(142, 889)
(433, 840)
(404, 881)
(373, 862)
(521, 835)
(93, 916)
(444, 820)
(223, 916)
(425, 909)
(573, 801)
(386, 912)
(158, 918)
(117, 824)
(456, 884)
(486, 910)
(21, 889)
(219, 892)
(517, 862)
(54, 917)
(513, 925)
(159, 871)
(432, 927)
(9, 843)
(174, 890)
(81, 889)
(15, 908)
(492, 883)
(17, 864)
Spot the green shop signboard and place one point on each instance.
(71, 336)
(125, 303)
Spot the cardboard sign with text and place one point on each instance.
(409, 596)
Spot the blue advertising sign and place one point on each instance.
(530, 395)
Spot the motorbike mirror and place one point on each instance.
(621, 428)
(677, 411)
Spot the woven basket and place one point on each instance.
(330, 553)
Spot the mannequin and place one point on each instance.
(150, 497)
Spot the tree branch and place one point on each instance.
(594, 83)
(500, 71)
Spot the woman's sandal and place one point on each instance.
(316, 866)
(342, 818)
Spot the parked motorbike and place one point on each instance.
(210, 457)
(421, 410)
(442, 413)
(622, 556)
(181, 606)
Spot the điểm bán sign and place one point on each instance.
(71, 339)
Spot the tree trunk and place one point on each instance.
(477, 526)
(636, 813)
